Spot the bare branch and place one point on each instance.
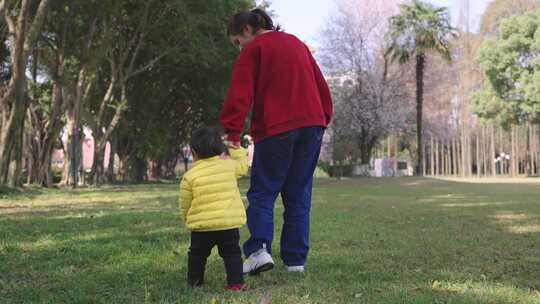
(137, 37)
(146, 66)
(90, 38)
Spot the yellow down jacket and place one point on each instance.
(209, 195)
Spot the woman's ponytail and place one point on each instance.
(257, 18)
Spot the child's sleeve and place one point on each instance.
(185, 197)
(240, 157)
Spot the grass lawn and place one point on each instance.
(373, 241)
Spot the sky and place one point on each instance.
(305, 18)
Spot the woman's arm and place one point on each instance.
(240, 94)
(324, 91)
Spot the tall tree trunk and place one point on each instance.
(98, 171)
(454, 157)
(492, 150)
(501, 150)
(389, 146)
(123, 167)
(30, 152)
(477, 154)
(396, 154)
(443, 157)
(447, 157)
(528, 154)
(535, 149)
(10, 143)
(101, 137)
(170, 166)
(157, 166)
(72, 154)
(139, 169)
(110, 169)
(424, 165)
(460, 156)
(485, 156)
(54, 125)
(432, 154)
(514, 155)
(14, 102)
(15, 164)
(463, 153)
(420, 62)
(437, 158)
(74, 141)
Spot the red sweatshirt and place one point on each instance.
(277, 78)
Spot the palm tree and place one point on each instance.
(419, 28)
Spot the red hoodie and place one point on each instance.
(277, 78)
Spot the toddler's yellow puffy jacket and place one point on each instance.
(209, 195)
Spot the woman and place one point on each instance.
(276, 78)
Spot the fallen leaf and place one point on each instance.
(358, 295)
(379, 290)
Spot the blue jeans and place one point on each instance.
(284, 164)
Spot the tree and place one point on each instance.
(420, 28)
(498, 10)
(46, 95)
(182, 91)
(130, 29)
(511, 66)
(22, 35)
(366, 92)
(140, 74)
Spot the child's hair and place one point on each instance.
(207, 142)
(257, 18)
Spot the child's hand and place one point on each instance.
(234, 144)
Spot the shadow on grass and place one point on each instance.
(396, 237)
(27, 192)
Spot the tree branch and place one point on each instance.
(36, 26)
(3, 5)
(118, 115)
(137, 39)
(106, 99)
(145, 67)
(9, 22)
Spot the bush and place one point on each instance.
(57, 175)
(325, 166)
(320, 173)
(343, 171)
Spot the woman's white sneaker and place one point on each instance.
(295, 268)
(258, 262)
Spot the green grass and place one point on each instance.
(373, 241)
